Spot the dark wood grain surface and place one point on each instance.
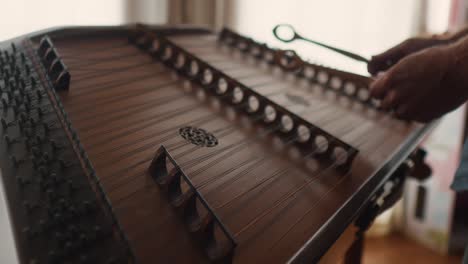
(125, 105)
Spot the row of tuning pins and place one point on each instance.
(22, 96)
(28, 123)
(22, 101)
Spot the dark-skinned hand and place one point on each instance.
(426, 84)
(385, 60)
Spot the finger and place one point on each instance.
(411, 109)
(380, 86)
(384, 61)
(401, 112)
(389, 100)
(398, 95)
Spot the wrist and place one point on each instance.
(457, 63)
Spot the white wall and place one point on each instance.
(24, 16)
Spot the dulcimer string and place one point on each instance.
(273, 176)
(83, 64)
(365, 139)
(243, 142)
(66, 51)
(256, 119)
(290, 142)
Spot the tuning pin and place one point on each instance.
(40, 112)
(71, 187)
(63, 164)
(29, 206)
(17, 101)
(22, 181)
(11, 85)
(84, 259)
(46, 157)
(7, 56)
(17, 71)
(12, 60)
(38, 139)
(13, 47)
(97, 230)
(9, 141)
(4, 104)
(7, 95)
(46, 128)
(16, 162)
(39, 95)
(26, 231)
(27, 107)
(33, 83)
(22, 117)
(53, 257)
(43, 171)
(36, 152)
(27, 99)
(22, 84)
(4, 123)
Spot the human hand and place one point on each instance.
(385, 60)
(424, 85)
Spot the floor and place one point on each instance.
(397, 249)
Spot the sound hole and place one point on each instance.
(254, 104)
(303, 133)
(194, 68)
(376, 103)
(270, 113)
(207, 76)
(198, 136)
(180, 62)
(363, 94)
(269, 56)
(340, 155)
(155, 45)
(322, 77)
(309, 72)
(229, 40)
(286, 123)
(222, 86)
(350, 88)
(167, 53)
(255, 50)
(335, 83)
(237, 95)
(242, 45)
(321, 143)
